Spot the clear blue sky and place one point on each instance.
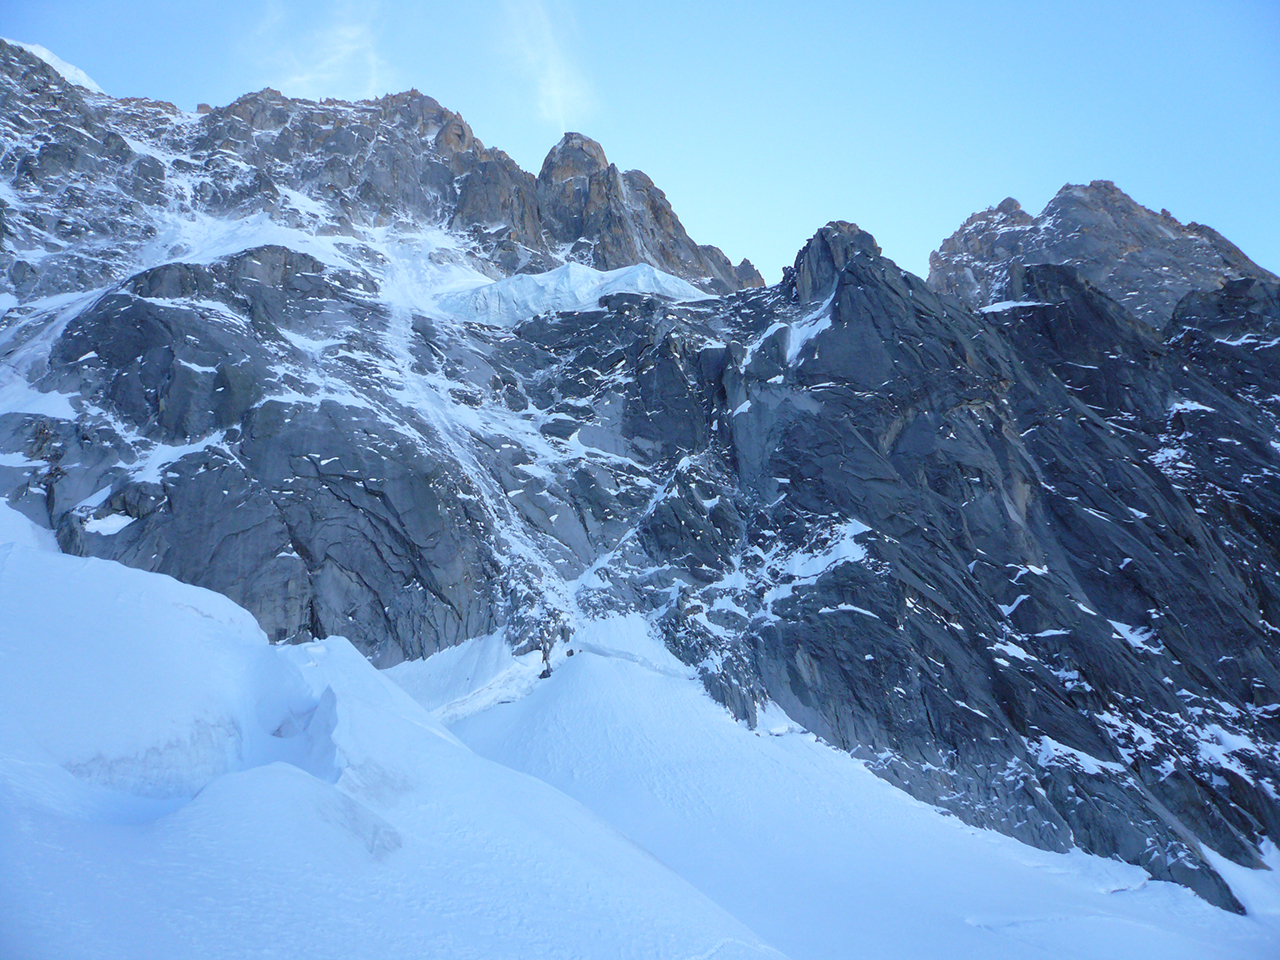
(764, 120)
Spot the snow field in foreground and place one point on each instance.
(171, 785)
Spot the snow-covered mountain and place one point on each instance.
(406, 404)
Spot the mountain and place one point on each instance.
(1146, 261)
(364, 377)
(401, 159)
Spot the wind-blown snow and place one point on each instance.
(571, 287)
(70, 73)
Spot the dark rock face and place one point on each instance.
(1022, 560)
(1146, 261)
(823, 258)
(1014, 621)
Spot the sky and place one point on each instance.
(764, 120)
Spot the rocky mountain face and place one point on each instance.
(1021, 559)
(1146, 261)
(340, 168)
(610, 219)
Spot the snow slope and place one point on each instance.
(821, 857)
(173, 786)
(571, 287)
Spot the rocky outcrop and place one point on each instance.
(1144, 260)
(307, 511)
(820, 262)
(572, 186)
(747, 274)
(611, 219)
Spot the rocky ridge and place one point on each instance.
(340, 168)
(1019, 559)
(1145, 260)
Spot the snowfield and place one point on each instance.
(570, 287)
(172, 785)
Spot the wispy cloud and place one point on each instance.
(317, 53)
(538, 38)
